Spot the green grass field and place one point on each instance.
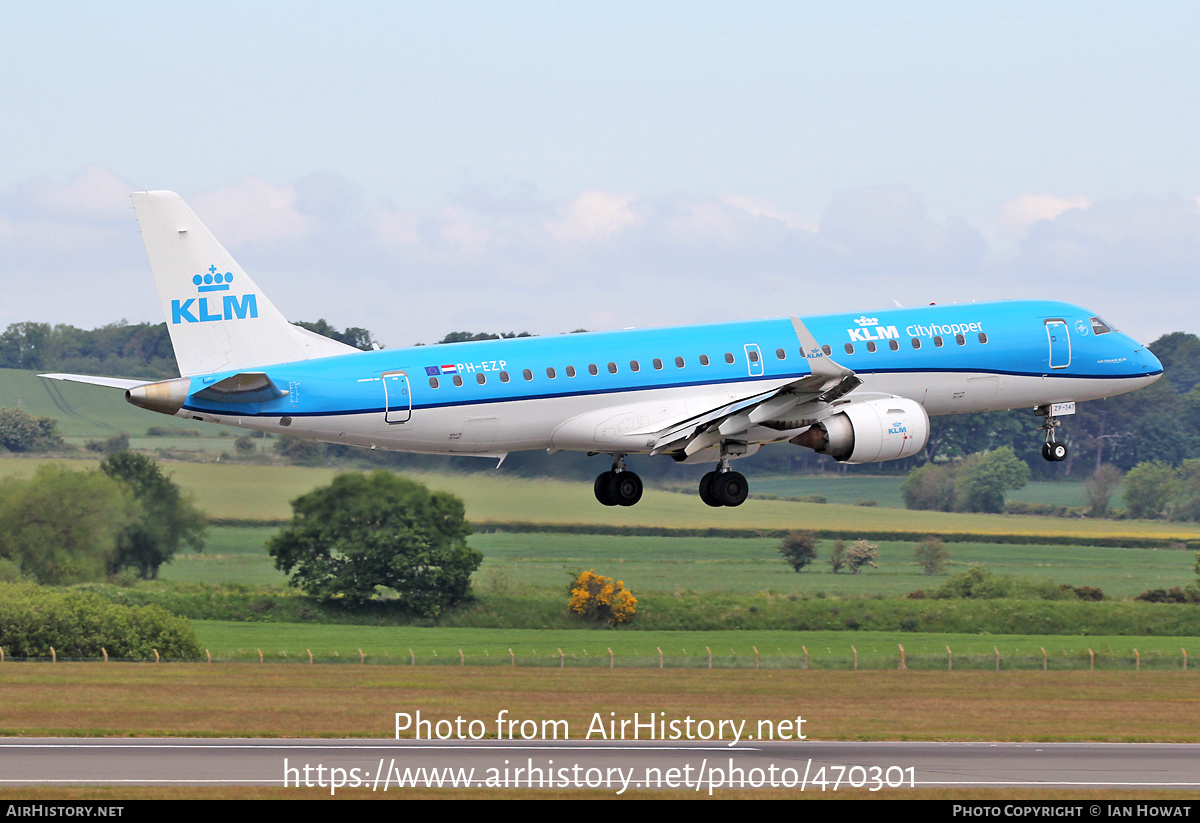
(255, 492)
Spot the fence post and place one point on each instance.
(462, 661)
(1138, 658)
(660, 659)
(805, 657)
(208, 654)
(1182, 650)
(2, 655)
(260, 656)
(755, 656)
(610, 657)
(362, 658)
(1045, 661)
(155, 656)
(309, 654)
(902, 666)
(104, 652)
(562, 660)
(855, 657)
(512, 659)
(1092, 656)
(413, 656)
(707, 649)
(949, 660)
(997, 651)
(53, 656)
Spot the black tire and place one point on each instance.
(1046, 455)
(731, 489)
(601, 487)
(706, 490)
(625, 488)
(1058, 452)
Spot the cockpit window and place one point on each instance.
(1099, 326)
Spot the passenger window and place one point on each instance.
(982, 337)
(849, 348)
(960, 340)
(503, 377)
(871, 346)
(458, 379)
(527, 374)
(753, 356)
(704, 360)
(937, 341)
(657, 363)
(679, 362)
(551, 373)
(781, 354)
(612, 368)
(570, 371)
(433, 382)
(828, 351)
(728, 357)
(634, 365)
(916, 341)
(480, 378)
(894, 345)
(592, 370)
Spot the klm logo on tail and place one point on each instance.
(199, 310)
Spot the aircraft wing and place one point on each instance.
(827, 382)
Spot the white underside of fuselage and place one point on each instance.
(625, 422)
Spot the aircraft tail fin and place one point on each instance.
(219, 320)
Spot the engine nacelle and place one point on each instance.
(870, 431)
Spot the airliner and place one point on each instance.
(857, 387)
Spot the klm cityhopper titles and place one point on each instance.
(857, 387)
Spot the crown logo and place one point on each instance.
(867, 321)
(213, 281)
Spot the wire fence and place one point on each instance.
(818, 660)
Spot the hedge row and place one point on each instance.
(34, 619)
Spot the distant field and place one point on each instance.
(248, 492)
(885, 491)
(514, 562)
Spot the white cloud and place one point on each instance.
(251, 211)
(1018, 214)
(93, 194)
(593, 216)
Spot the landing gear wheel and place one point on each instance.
(1057, 451)
(706, 490)
(602, 486)
(624, 488)
(1049, 458)
(730, 488)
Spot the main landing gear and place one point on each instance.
(725, 487)
(619, 486)
(1052, 450)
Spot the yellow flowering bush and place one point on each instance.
(600, 598)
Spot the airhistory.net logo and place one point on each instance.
(199, 310)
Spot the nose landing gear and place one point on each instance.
(1052, 450)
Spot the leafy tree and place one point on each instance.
(1148, 489)
(365, 531)
(929, 488)
(799, 549)
(168, 521)
(861, 554)
(1101, 486)
(20, 431)
(61, 526)
(931, 555)
(353, 336)
(837, 558)
(1185, 503)
(984, 478)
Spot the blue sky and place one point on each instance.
(416, 168)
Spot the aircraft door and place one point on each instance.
(754, 359)
(397, 401)
(1060, 343)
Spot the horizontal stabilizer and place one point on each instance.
(247, 387)
(111, 382)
